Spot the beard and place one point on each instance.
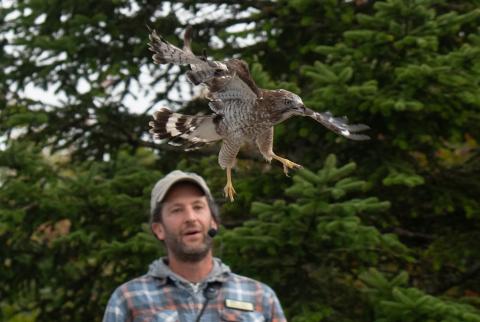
(187, 253)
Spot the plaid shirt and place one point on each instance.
(162, 295)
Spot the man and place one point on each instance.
(189, 284)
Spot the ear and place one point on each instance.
(158, 231)
(214, 224)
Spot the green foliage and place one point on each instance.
(75, 174)
(394, 301)
(10, 314)
(317, 238)
(412, 67)
(70, 235)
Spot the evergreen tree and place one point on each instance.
(315, 237)
(70, 234)
(394, 301)
(413, 67)
(75, 175)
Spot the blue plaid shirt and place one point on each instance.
(162, 295)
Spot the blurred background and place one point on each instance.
(382, 230)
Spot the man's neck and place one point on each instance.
(194, 272)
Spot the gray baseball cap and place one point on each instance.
(163, 185)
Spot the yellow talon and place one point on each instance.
(229, 191)
(287, 164)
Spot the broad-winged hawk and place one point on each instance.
(241, 110)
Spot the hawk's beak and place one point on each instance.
(307, 111)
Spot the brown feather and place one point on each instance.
(241, 69)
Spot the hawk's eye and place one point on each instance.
(287, 101)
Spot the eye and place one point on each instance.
(287, 101)
(175, 210)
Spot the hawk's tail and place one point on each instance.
(188, 131)
(165, 52)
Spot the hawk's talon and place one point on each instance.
(291, 165)
(287, 164)
(229, 191)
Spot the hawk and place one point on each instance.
(241, 111)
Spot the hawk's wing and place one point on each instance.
(339, 125)
(234, 87)
(165, 52)
(229, 83)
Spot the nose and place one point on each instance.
(190, 214)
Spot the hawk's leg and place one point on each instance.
(226, 159)
(229, 190)
(265, 145)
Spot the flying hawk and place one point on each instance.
(241, 110)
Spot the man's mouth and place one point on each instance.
(192, 232)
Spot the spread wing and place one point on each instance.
(229, 83)
(165, 53)
(339, 125)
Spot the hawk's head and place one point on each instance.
(288, 104)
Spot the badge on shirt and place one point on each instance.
(239, 305)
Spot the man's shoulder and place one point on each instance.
(248, 283)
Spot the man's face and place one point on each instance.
(186, 218)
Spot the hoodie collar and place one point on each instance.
(159, 269)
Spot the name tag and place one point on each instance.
(239, 305)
